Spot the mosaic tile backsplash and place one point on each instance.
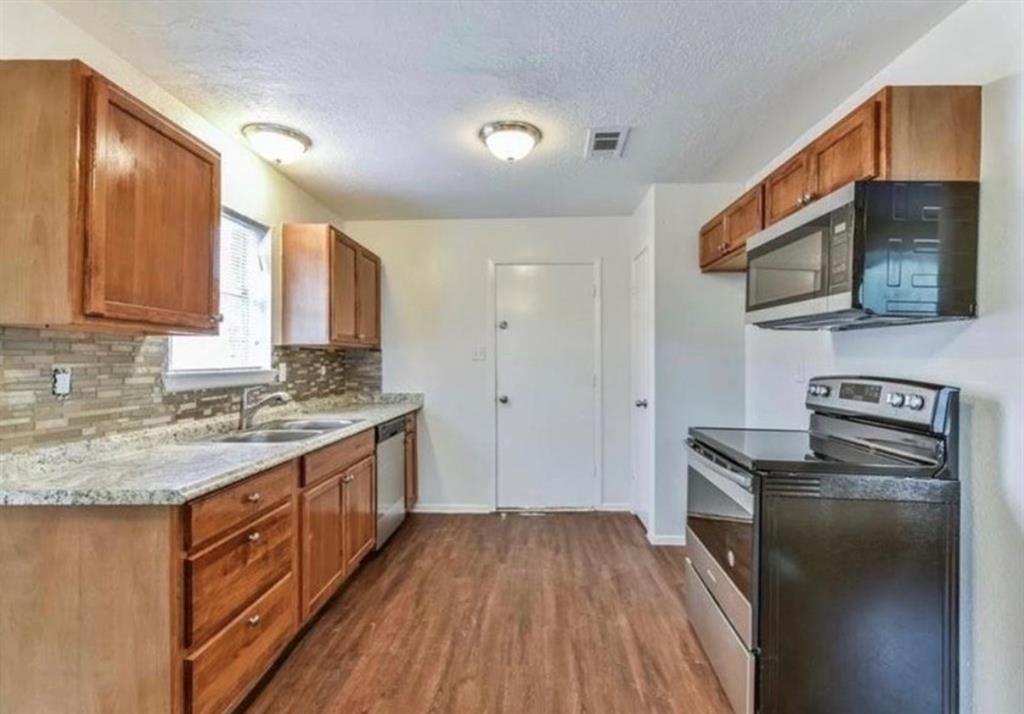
(118, 385)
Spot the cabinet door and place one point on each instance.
(322, 568)
(343, 288)
(712, 240)
(152, 217)
(846, 152)
(743, 218)
(368, 283)
(412, 493)
(359, 512)
(786, 189)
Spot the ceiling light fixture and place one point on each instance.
(275, 142)
(510, 140)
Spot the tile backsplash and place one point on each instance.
(117, 385)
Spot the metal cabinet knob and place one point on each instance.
(254, 537)
(253, 497)
(503, 325)
(503, 399)
(255, 620)
(641, 403)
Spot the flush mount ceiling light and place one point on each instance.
(275, 142)
(510, 140)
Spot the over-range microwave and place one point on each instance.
(872, 253)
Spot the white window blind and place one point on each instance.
(243, 344)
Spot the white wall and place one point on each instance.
(30, 29)
(698, 333)
(979, 43)
(435, 315)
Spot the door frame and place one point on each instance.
(649, 357)
(492, 324)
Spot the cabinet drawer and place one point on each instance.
(219, 673)
(223, 579)
(332, 459)
(219, 512)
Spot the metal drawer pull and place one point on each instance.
(254, 537)
(712, 576)
(254, 620)
(253, 497)
(348, 479)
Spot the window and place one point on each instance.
(240, 354)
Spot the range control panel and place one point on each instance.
(893, 400)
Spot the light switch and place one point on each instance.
(61, 382)
(323, 370)
(282, 371)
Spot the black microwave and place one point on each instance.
(870, 254)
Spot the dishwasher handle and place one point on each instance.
(390, 429)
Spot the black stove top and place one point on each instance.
(775, 450)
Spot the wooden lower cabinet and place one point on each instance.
(177, 609)
(321, 543)
(412, 480)
(359, 512)
(219, 673)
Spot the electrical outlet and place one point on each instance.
(61, 382)
(282, 371)
(323, 370)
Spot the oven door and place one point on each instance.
(720, 534)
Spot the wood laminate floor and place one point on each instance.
(515, 615)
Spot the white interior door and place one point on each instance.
(642, 367)
(546, 386)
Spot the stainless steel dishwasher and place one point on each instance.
(390, 478)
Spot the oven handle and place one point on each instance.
(738, 485)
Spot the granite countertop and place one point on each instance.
(175, 464)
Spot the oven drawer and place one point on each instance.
(732, 602)
(732, 661)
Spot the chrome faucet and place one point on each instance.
(248, 410)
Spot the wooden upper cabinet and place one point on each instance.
(344, 268)
(723, 239)
(712, 240)
(928, 133)
(787, 188)
(368, 302)
(846, 152)
(330, 289)
(112, 211)
(743, 218)
(153, 208)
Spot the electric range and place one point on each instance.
(822, 564)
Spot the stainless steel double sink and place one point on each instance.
(284, 430)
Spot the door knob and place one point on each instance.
(503, 399)
(641, 403)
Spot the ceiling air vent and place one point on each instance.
(607, 142)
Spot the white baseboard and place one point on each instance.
(655, 539)
(614, 507)
(451, 508)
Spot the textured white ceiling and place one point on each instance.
(393, 93)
